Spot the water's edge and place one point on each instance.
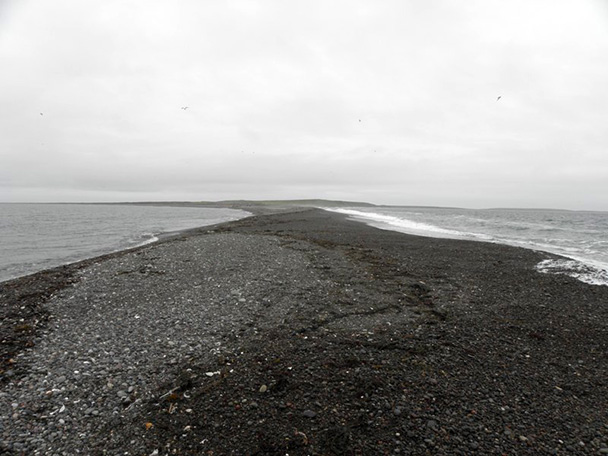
(585, 270)
(153, 238)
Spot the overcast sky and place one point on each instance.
(392, 102)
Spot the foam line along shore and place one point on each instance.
(581, 237)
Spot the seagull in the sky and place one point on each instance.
(184, 107)
(41, 114)
(499, 98)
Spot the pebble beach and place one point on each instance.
(304, 333)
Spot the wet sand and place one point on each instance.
(304, 333)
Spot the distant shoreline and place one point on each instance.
(269, 206)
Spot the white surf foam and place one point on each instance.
(149, 239)
(585, 270)
(594, 275)
(407, 226)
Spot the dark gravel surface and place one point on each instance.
(304, 334)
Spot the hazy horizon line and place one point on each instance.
(302, 200)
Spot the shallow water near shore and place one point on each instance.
(34, 237)
(581, 236)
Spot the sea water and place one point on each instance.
(34, 237)
(579, 236)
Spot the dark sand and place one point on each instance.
(332, 338)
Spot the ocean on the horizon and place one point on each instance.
(580, 236)
(34, 237)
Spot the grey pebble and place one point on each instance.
(431, 424)
(309, 414)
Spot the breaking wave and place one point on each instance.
(594, 275)
(407, 226)
(575, 236)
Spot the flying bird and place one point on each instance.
(184, 107)
(41, 114)
(499, 98)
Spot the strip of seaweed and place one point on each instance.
(23, 315)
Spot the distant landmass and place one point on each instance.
(303, 202)
(250, 203)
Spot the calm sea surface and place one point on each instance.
(580, 236)
(34, 237)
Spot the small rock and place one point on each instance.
(309, 414)
(263, 389)
(431, 424)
